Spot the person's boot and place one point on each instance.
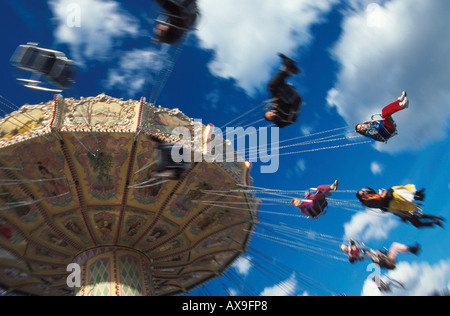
(415, 249)
(403, 96)
(405, 103)
(419, 195)
(290, 64)
(334, 186)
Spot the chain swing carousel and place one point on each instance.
(78, 185)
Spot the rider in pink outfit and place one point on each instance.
(314, 204)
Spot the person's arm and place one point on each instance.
(373, 201)
(383, 193)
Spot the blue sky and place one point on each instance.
(356, 56)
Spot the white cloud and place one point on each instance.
(213, 99)
(243, 265)
(298, 169)
(387, 48)
(284, 288)
(247, 35)
(419, 279)
(376, 168)
(369, 225)
(134, 68)
(300, 166)
(103, 25)
(232, 292)
(306, 130)
(376, 17)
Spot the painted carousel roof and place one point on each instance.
(72, 178)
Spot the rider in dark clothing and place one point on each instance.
(286, 100)
(181, 16)
(395, 202)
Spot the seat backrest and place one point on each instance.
(387, 134)
(165, 158)
(314, 208)
(25, 56)
(62, 73)
(321, 205)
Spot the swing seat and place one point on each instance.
(178, 5)
(286, 116)
(379, 120)
(165, 158)
(181, 16)
(50, 64)
(167, 168)
(320, 208)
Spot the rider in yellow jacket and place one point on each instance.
(402, 202)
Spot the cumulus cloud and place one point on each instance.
(419, 279)
(284, 288)
(246, 36)
(300, 166)
(369, 225)
(134, 69)
(298, 169)
(232, 292)
(390, 47)
(213, 99)
(243, 265)
(91, 28)
(376, 168)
